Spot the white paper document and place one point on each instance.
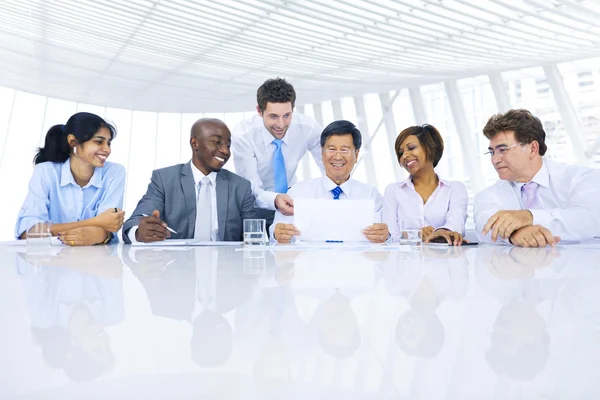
(333, 220)
(187, 242)
(23, 242)
(318, 246)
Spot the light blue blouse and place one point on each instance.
(55, 196)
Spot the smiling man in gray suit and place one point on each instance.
(199, 199)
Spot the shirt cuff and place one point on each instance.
(541, 217)
(266, 200)
(272, 233)
(131, 234)
(25, 224)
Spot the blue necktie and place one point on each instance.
(336, 192)
(279, 174)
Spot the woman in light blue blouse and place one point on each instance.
(73, 186)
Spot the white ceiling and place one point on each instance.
(210, 56)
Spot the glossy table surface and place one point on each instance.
(486, 322)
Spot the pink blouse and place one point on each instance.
(445, 208)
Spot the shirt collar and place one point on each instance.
(408, 182)
(330, 185)
(542, 178)
(66, 177)
(198, 175)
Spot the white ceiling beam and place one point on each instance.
(499, 90)
(366, 151)
(573, 126)
(471, 159)
(416, 101)
(391, 132)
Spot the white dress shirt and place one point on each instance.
(320, 188)
(568, 201)
(445, 208)
(198, 175)
(252, 149)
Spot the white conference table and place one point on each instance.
(486, 322)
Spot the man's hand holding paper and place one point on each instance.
(322, 220)
(285, 232)
(377, 233)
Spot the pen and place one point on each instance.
(334, 241)
(169, 229)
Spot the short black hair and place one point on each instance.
(342, 127)
(276, 90)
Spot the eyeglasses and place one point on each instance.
(501, 150)
(332, 152)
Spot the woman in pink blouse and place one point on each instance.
(441, 204)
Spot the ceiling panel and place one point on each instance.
(211, 55)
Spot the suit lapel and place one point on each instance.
(189, 193)
(222, 202)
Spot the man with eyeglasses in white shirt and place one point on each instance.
(536, 202)
(268, 147)
(340, 142)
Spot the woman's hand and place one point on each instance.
(451, 237)
(425, 232)
(86, 236)
(110, 220)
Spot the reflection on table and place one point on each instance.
(442, 322)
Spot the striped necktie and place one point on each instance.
(336, 192)
(529, 194)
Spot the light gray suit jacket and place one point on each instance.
(172, 191)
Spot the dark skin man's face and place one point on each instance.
(211, 146)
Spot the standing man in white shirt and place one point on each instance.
(340, 143)
(268, 147)
(536, 202)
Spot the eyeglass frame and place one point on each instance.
(332, 152)
(502, 148)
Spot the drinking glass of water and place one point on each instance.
(255, 232)
(410, 232)
(39, 238)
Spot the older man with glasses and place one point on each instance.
(536, 202)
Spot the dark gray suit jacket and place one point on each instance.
(172, 191)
